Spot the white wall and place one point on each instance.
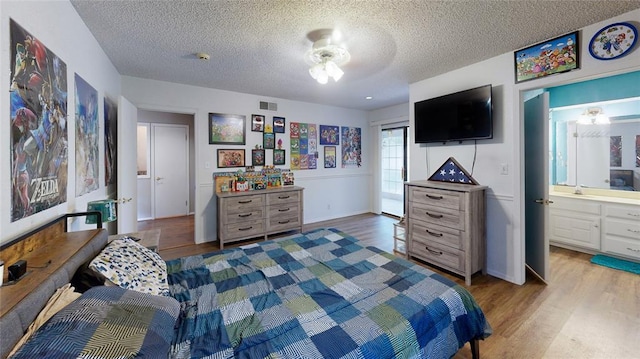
(505, 207)
(57, 25)
(329, 193)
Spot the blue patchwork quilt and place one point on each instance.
(317, 295)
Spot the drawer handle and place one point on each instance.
(283, 197)
(633, 230)
(284, 210)
(245, 215)
(433, 252)
(245, 229)
(434, 215)
(433, 197)
(434, 233)
(634, 214)
(633, 249)
(244, 202)
(283, 222)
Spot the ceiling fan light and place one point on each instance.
(316, 70)
(334, 71)
(601, 119)
(323, 77)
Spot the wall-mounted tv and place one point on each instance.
(460, 116)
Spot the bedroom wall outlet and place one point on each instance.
(207, 164)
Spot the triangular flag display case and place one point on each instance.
(452, 171)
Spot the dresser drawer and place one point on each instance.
(623, 212)
(243, 203)
(435, 197)
(282, 197)
(283, 222)
(247, 215)
(247, 229)
(626, 229)
(427, 232)
(441, 216)
(438, 254)
(284, 210)
(622, 246)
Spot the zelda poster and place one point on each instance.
(38, 112)
(87, 169)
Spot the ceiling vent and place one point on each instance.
(271, 106)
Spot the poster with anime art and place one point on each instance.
(38, 133)
(87, 170)
(351, 147)
(110, 141)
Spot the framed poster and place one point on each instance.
(230, 158)
(257, 157)
(330, 157)
(226, 129)
(329, 135)
(269, 141)
(560, 54)
(257, 123)
(279, 157)
(278, 124)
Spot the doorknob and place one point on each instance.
(543, 201)
(159, 178)
(124, 200)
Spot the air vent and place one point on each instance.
(271, 106)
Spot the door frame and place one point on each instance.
(153, 166)
(405, 160)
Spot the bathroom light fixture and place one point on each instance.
(325, 57)
(593, 116)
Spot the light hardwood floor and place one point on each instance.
(586, 311)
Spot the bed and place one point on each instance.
(318, 294)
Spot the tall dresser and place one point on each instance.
(446, 225)
(244, 215)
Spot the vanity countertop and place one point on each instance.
(596, 197)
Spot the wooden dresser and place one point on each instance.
(244, 215)
(446, 225)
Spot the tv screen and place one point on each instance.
(464, 115)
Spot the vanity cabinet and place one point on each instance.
(244, 215)
(622, 230)
(575, 222)
(445, 225)
(595, 224)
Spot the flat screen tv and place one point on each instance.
(460, 116)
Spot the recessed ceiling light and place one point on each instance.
(369, 98)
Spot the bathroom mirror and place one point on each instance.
(596, 145)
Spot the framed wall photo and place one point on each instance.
(257, 123)
(278, 124)
(257, 157)
(560, 54)
(230, 158)
(329, 156)
(226, 129)
(279, 157)
(329, 135)
(269, 141)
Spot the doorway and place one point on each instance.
(393, 142)
(166, 127)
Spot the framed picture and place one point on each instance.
(329, 135)
(278, 124)
(269, 140)
(226, 129)
(557, 55)
(257, 123)
(278, 157)
(330, 157)
(257, 157)
(230, 158)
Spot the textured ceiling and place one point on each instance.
(257, 47)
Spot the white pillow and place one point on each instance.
(130, 265)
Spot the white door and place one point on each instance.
(536, 177)
(170, 170)
(127, 166)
